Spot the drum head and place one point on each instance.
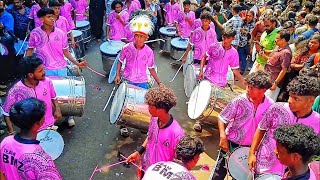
(117, 103)
(76, 33)
(190, 80)
(199, 99)
(269, 177)
(51, 142)
(81, 24)
(238, 163)
(230, 77)
(169, 31)
(113, 70)
(111, 47)
(180, 44)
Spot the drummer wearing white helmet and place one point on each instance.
(240, 118)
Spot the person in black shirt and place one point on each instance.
(198, 11)
(96, 13)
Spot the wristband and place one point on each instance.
(141, 150)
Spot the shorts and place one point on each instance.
(57, 72)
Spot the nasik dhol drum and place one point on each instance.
(191, 78)
(71, 94)
(128, 107)
(73, 70)
(109, 51)
(178, 47)
(206, 98)
(238, 163)
(269, 177)
(79, 50)
(1, 110)
(166, 33)
(51, 142)
(189, 61)
(84, 26)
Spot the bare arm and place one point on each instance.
(108, 32)
(2, 177)
(224, 144)
(9, 124)
(67, 54)
(236, 73)
(30, 52)
(186, 53)
(154, 75)
(254, 146)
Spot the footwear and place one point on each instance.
(71, 121)
(3, 93)
(3, 86)
(124, 132)
(53, 127)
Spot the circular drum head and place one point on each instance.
(199, 99)
(81, 24)
(230, 77)
(51, 142)
(111, 47)
(169, 31)
(113, 70)
(76, 33)
(180, 43)
(269, 177)
(238, 163)
(117, 103)
(190, 80)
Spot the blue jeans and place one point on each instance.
(243, 54)
(58, 72)
(142, 85)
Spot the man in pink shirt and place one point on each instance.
(171, 12)
(164, 131)
(21, 155)
(201, 39)
(185, 20)
(33, 84)
(239, 120)
(80, 7)
(117, 20)
(67, 11)
(34, 10)
(303, 91)
(131, 5)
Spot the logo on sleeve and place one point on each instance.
(166, 143)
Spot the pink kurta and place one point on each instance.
(137, 62)
(202, 40)
(66, 11)
(116, 27)
(33, 15)
(80, 7)
(25, 159)
(218, 61)
(128, 33)
(279, 114)
(43, 91)
(184, 27)
(161, 142)
(63, 24)
(49, 48)
(242, 119)
(171, 12)
(133, 6)
(198, 23)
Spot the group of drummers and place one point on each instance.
(279, 139)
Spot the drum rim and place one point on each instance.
(111, 70)
(178, 48)
(171, 34)
(266, 174)
(77, 31)
(185, 79)
(105, 53)
(125, 101)
(82, 21)
(46, 132)
(241, 147)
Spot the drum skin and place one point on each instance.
(178, 47)
(238, 163)
(51, 142)
(166, 33)
(109, 51)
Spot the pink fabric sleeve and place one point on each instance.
(228, 113)
(122, 54)
(32, 13)
(11, 99)
(150, 63)
(32, 40)
(125, 17)
(234, 62)
(52, 90)
(193, 16)
(65, 41)
(266, 121)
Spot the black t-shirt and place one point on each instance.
(304, 176)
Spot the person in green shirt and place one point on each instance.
(316, 105)
(221, 19)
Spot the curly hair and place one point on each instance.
(304, 86)
(188, 147)
(161, 97)
(206, 16)
(298, 138)
(311, 71)
(259, 79)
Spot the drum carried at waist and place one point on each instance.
(238, 163)
(178, 47)
(109, 51)
(51, 142)
(166, 33)
(71, 94)
(79, 50)
(129, 108)
(84, 26)
(207, 99)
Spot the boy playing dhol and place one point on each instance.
(164, 131)
(22, 157)
(296, 145)
(185, 20)
(171, 10)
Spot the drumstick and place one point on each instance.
(176, 73)
(154, 40)
(133, 163)
(105, 107)
(24, 41)
(96, 72)
(95, 169)
(109, 166)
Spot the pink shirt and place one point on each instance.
(43, 91)
(80, 7)
(137, 62)
(49, 48)
(242, 119)
(183, 25)
(133, 6)
(128, 33)
(202, 40)
(279, 114)
(171, 12)
(198, 23)
(116, 27)
(63, 24)
(218, 61)
(65, 11)
(25, 159)
(33, 15)
(161, 142)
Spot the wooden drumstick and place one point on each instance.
(109, 99)
(176, 73)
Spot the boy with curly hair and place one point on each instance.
(302, 90)
(164, 131)
(188, 152)
(296, 145)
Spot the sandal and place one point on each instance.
(124, 132)
(197, 127)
